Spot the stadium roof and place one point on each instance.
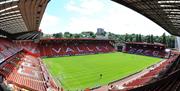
(72, 39)
(165, 13)
(21, 16)
(145, 43)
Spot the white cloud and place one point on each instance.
(50, 24)
(117, 19)
(86, 7)
(123, 20)
(78, 25)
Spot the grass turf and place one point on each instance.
(79, 72)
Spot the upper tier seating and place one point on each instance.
(28, 45)
(8, 49)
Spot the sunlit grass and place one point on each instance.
(79, 72)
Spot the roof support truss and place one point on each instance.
(165, 13)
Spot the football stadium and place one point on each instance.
(31, 61)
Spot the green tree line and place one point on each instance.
(168, 40)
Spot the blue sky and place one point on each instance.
(76, 16)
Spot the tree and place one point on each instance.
(66, 34)
(148, 40)
(126, 38)
(47, 35)
(164, 38)
(58, 35)
(151, 39)
(70, 35)
(92, 35)
(131, 38)
(140, 38)
(76, 35)
(113, 36)
(168, 40)
(137, 38)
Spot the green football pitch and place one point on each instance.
(79, 72)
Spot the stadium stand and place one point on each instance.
(21, 66)
(156, 50)
(161, 78)
(168, 10)
(169, 83)
(8, 49)
(20, 69)
(23, 69)
(152, 74)
(28, 45)
(67, 47)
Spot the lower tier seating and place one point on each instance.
(66, 48)
(155, 50)
(25, 71)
